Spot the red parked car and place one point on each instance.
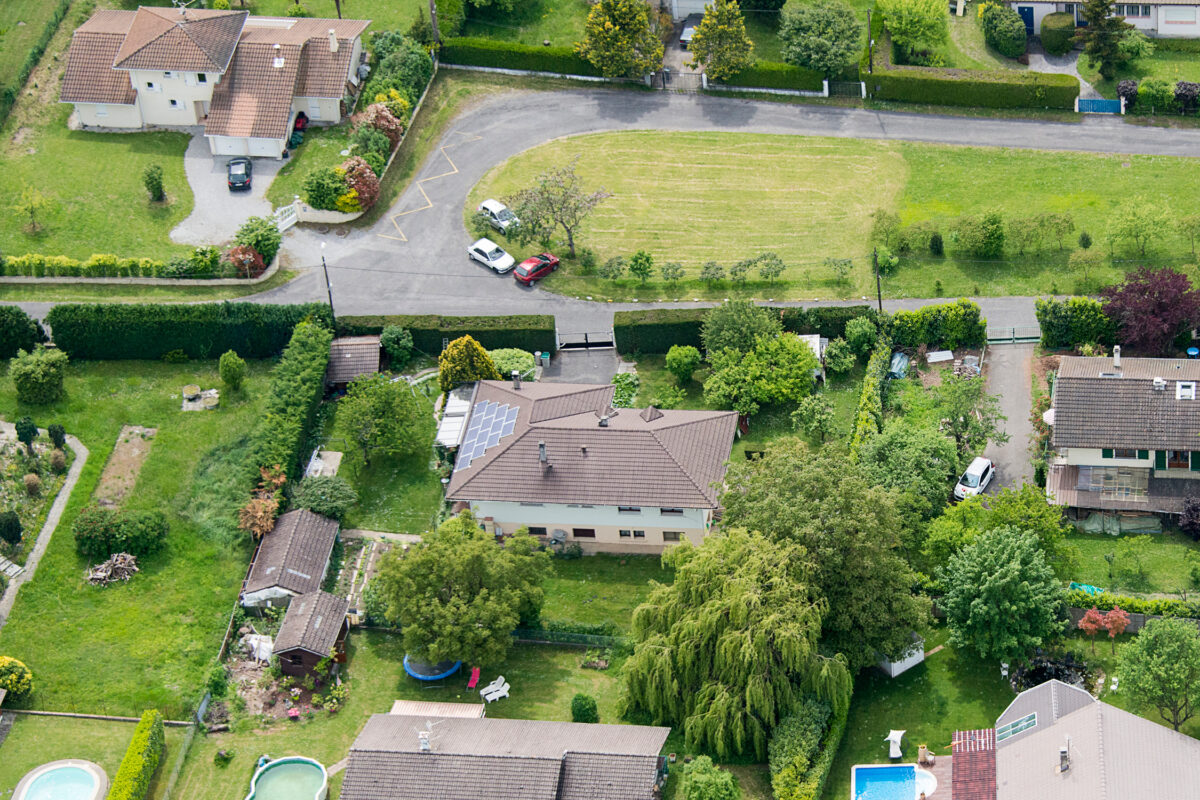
(535, 268)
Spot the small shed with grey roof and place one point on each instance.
(314, 627)
(400, 757)
(291, 560)
(351, 357)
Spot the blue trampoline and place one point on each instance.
(430, 672)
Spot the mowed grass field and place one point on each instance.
(694, 197)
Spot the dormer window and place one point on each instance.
(1185, 390)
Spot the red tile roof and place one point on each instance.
(89, 76)
(255, 97)
(193, 39)
(974, 765)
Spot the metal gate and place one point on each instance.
(586, 340)
(1014, 335)
(682, 82)
(847, 89)
(1099, 106)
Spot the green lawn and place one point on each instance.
(950, 691)
(22, 23)
(561, 22)
(1169, 64)
(34, 741)
(397, 495)
(600, 588)
(322, 148)
(812, 198)
(967, 49)
(763, 29)
(144, 643)
(544, 679)
(384, 16)
(1167, 563)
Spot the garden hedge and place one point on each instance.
(1074, 321)
(1161, 607)
(8, 97)
(296, 389)
(132, 781)
(473, 52)
(101, 532)
(773, 75)
(656, 330)
(18, 331)
(945, 326)
(1058, 33)
(868, 417)
(963, 87)
(204, 330)
(99, 265)
(522, 331)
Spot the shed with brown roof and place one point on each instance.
(314, 627)
(291, 560)
(352, 357)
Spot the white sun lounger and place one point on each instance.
(894, 738)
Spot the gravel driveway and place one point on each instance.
(1009, 377)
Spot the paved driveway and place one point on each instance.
(1009, 376)
(218, 212)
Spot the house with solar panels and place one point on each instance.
(560, 460)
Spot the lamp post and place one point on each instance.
(328, 285)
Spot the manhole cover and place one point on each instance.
(342, 231)
(322, 229)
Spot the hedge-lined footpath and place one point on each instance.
(868, 419)
(8, 97)
(1074, 321)
(522, 331)
(206, 330)
(963, 87)
(132, 781)
(297, 386)
(773, 75)
(947, 326)
(474, 52)
(656, 330)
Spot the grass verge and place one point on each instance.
(85, 293)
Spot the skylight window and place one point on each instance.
(1185, 390)
(1013, 728)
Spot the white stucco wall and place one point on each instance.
(319, 109)
(1167, 21)
(607, 522)
(1088, 457)
(182, 87)
(106, 115)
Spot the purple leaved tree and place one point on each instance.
(1151, 308)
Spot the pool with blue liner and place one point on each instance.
(891, 782)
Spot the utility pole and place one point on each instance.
(870, 41)
(874, 260)
(437, 36)
(328, 285)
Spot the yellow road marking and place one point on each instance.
(400, 237)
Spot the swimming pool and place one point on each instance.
(292, 778)
(71, 779)
(891, 782)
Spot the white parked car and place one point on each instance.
(490, 254)
(499, 215)
(975, 479)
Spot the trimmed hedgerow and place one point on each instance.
(100, 532)
(868, 418)
(948, 325)
(472, 52)
(773, 75)
(108, 331)
(656, 330)
(1058, 33)
(132, 781)
(1074, 321)
(829, 321)
(522, 331)
(1160, 607)
(18, 331)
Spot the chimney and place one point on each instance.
(604, 421)
(542, 452)
(1116, 356)
(516, 379)
(1159, 384)
(1064, 758)
(423, 741)
(277, 62)
(333, 42)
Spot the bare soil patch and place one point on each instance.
(121, 472)
(1042, 367)
(21, 134)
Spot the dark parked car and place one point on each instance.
(239, 171)
(535, 268)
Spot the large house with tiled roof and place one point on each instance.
(558, 459)
(243, 78)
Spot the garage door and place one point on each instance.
(227, 145)
(265, 147)
(681, 8)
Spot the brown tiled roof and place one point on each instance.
(312, 622)
(322, 73)
(1098, 405)
(973, 765)
(673, 459)
(352, 356)
(481, 759)
(294, 555)
(89, 76)
(255, 97)
(108, 20)
(193, 39)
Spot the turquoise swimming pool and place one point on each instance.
(891, 782)
(63, 780)
(292, 778)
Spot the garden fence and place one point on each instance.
(539, 636)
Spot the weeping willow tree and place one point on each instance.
(731, 646)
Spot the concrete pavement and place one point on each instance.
(1009, 377)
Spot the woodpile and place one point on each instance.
(119, 567)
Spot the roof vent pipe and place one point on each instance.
(277, 62)
(333, 42)
(1064, 758)
(1116, 356)
(516, 379)
(1159, 384)
(542, 452)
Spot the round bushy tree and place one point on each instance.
(27, 433)
(15, 677)
(464, 360)
(327, 495)
(839, 357)
(508, 359)
(737, 325)
(262, 234)
(861, 335)
(682, 360)
(398, 344)
(10, 528)
(38, 375)
(583, 708)
(822, 36)
(232, 368)
(1004, 30)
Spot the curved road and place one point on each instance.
(414, 259)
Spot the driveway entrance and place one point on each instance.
(1009, 375)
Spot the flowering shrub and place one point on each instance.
(15, 677)
(380, 117)
(246, 260)
(361, 180)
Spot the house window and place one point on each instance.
(672, 536)
(537, 531)
(1185, 390)
(628, 510)
(201, 77)
(639, 534)
(1177, 459)
(625, 534)
(1013, 728)
(583, 533)
(1125, 452)
(174, 103)
(167, 74)
(151, 86)
(296, 660)
(671, 512)
(534, 505)
(1145, 11)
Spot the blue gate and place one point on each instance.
(1099, 106)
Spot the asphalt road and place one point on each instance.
(414, 259)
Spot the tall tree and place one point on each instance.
(556, 200)
(916, 460)
(720, 43)
(1115, 622)
(619, 41)
(458, 595)
(1102, 36)
(916, 24)
(1161, 669)
(778, 370)
(824, 36)
(1002, 600)
(737, 324)
(972, 416)
(465, 360)
(1152, 307)
(729, 648)
(381, 417)
(849, 529)
(1139, 221)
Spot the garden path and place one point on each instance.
(1041, 61)
(52, 519)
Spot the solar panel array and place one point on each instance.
(490, 422)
